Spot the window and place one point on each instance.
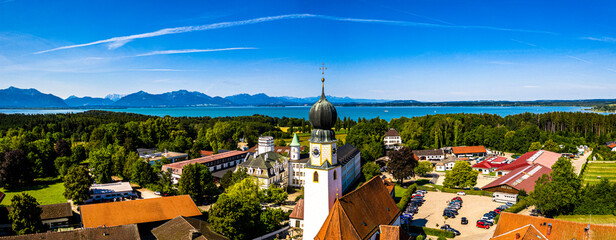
(335, 175)
(315, 177)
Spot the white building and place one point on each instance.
(110, 192)
(268, 168)
(224, 161)
(266, 144)
(296, 219)
(447, 164)
(392, 140)
(297, 163)
(330, 169)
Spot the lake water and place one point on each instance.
(386, 113)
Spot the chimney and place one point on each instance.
(549, 229)
(517, 236)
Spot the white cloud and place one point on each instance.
(192, 51)
(116, 42)
(600, 39)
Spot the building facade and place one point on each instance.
(216, 162)
(269, 168)
(392, 140)
(110, 191)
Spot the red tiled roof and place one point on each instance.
(358, 214)
(611, 145)
(137, 211)
(469, 149)
(206, 153)
(493, 162)
(298, 210)
(519, 162)
(529, 227)
(392, 133)
(389, 232)
(179, 165)
(521, 178)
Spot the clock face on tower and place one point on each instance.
(316, 152)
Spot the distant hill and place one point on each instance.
(332, 99)
(13, 97)
(74, 101)
(114, 96)
(256, 100)
(181, 98)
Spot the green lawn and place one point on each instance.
(595, 170)
(399, 191)
(48, 191)
(596, 219)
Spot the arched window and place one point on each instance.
(315, 177)
(335, 175)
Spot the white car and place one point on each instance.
(157, 193)
(461, 193)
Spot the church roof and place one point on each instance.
(323, 114)
(295, 141)
(389, 232)
(358, 214)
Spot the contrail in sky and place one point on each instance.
(192, 51)
(117, 42)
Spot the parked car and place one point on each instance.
(482, 224)
(457, 199)
(464, 221)
(487, 215)
(493, 213)
(509, 204)
(157, 193)
(488, 221)
(503, 207)
(461, 193)
(497, 211)
(448, 228)
(449, 214)
(454, 211)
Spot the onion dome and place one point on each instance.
(323, 114)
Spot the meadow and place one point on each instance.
(595, 171)
(46, 191)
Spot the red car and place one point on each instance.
(481, 224)
(497, 211)
(457, 198)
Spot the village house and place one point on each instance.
(447, 164)
(268, 168)
(491, 164)
(513, 226)
(110, 192)
(53, 216)
(469, 152)
(152, 156)
(123, 232)
(186, 228)
(392, 140)
(217, 163)
(611, 145)
(296, 219)
(434, 156)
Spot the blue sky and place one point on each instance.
(423, 50)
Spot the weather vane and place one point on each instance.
(322, 68)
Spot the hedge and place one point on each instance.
(431, 231)
(407, 196)
(516, 208)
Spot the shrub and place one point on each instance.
(407, 196)
(441, 238)
(420, 237)
(521, 205)
(431, 232)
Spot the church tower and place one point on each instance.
(322, 172)
(295, 147)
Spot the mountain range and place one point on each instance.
(13, 97)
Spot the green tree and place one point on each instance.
(461, 175)
(551, 146)
(271, 218)
(557, 193)
(102, 165)
(423, 167)
(25, 214)
(142, 173)
(535, 146)
(63, 164)
(227, 180)
(196, 181)
(79, 153)
(237, 213)
(77, 182)
(275, 195)
(370, 169)
(62, 148)
(280, 142)
(15, 169)
(401, 163)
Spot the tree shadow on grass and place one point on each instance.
(37, 184)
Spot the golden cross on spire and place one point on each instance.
(322, 68)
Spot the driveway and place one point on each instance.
(146, 193)
(578, 163)
(473, 208)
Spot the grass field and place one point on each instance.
(596, 219)
(594, 170)
(48, 191)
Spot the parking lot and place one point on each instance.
(473, 208)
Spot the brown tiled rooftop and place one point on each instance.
(298, 210)
(528, 227)
(124, 232)
(138, 211)
(468, 149)
(182, 228)
(179, 165)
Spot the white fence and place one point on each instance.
(272, 233)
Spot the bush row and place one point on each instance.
(407, 196)
(521, 205)
(431, 231)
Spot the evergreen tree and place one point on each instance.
(25, 214)
(77, 182)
